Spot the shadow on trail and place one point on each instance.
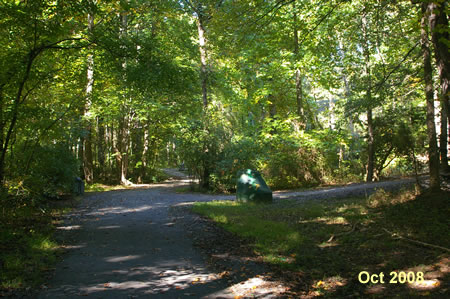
(124, 244)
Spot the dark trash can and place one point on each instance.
(78, 186)
(252, 187)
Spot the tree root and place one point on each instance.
(341, 234)
(415, 241)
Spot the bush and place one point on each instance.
(52, 172)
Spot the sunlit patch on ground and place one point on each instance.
(433, 274)
(162, 281)
(256, 287)
(119, 210)
(425, 285)
(118, 259)
(330, 283)
(68, 227)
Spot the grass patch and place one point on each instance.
(96, 187)
(27, 248)
(329, 242)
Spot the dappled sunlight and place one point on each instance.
(68, 227)
(427, 284)
(119, 210)
(259, 286)
(433, 274)
(332, 220)
(118, 259)
(115, 285)
(329, 284)
(158, 280)
(328, 244)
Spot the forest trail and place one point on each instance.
(127, 244)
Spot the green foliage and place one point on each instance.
(145, 110)
(53, 171)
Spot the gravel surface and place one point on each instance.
(128, 244)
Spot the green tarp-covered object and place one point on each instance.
(252, 187)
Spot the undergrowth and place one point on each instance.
(27, 248)
(327, 243)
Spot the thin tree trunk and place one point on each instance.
(204, 81)
(433, 158)
(370, 147)
(101, 148)
(370, 139)
(15, 111)
(142, 173)
(123, 141)
(438, 24)
(443, 138)
(123, 130)
(88, 165)
(298, 76)
(203, 59)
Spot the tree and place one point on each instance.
(438, 24)
(433, 158)
(34, 29)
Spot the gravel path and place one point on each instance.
(352, 190)
(124, 244)
(130, 244)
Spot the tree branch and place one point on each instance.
(415, 241)
(379, 85)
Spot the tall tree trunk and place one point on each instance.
(203, 59)
(370, 135)
(123, 136)
(443, 138)
(204, 81)
(433, 157)
(88, 165)
(298, 75)
(438, 24)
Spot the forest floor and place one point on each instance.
(145, 242)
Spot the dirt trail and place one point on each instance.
(128, 244)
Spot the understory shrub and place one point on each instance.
(286, 157)
(51, 172)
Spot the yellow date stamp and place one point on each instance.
(393, 277)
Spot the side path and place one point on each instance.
(126, 244)
(356, 190)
